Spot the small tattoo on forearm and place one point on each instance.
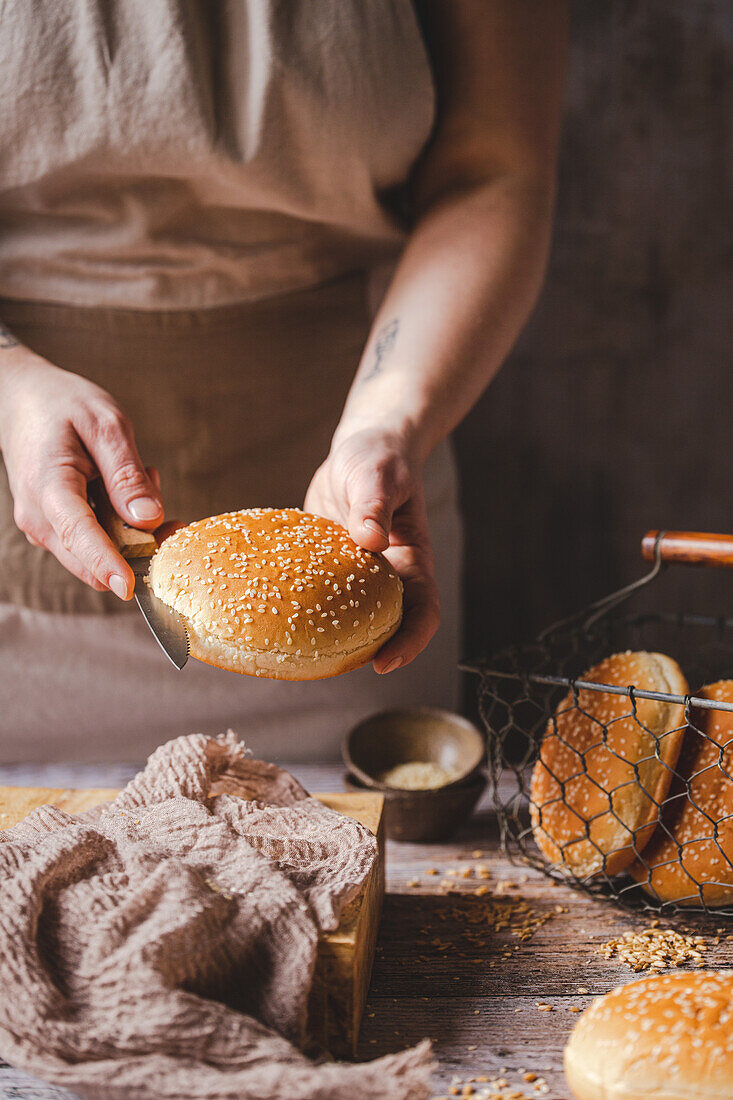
(7, 340)
(385, 341)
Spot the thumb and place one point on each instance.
(132, 491)
(373, 501)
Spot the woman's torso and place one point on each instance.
(159, 158)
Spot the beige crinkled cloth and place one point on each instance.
(164, 945)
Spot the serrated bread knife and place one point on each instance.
(137, 548)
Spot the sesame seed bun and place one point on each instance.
(277, 593)
(595, 794)
(669, 1037)
(682, 862)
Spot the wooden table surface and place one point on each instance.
(444, 969)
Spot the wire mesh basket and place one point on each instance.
(617, 788)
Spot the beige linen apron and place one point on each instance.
(190, 196)
(161, 154)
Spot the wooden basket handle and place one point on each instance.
(691, 547)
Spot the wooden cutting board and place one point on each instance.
(345, 957)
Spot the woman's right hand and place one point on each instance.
(57, 431)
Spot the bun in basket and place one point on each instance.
(599, 778)
(277, 593)
(669, 1037)
(689, 859)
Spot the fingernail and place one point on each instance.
(393, 664)
(144, 508)
(376, 527)
(118, 585)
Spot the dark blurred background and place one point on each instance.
(615, 412)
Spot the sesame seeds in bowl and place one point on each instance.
(278, 593)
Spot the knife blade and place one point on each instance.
(137, 548)
(165, 623)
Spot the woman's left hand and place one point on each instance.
(369, 484)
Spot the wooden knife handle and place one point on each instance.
(691, 547)
(130, 542)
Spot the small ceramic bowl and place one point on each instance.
(427, 815)
(394, 737)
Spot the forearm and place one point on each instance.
(7, 339)
(464, 287)
(15, 361)
(12, 352)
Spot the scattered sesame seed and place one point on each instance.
(654, 949)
